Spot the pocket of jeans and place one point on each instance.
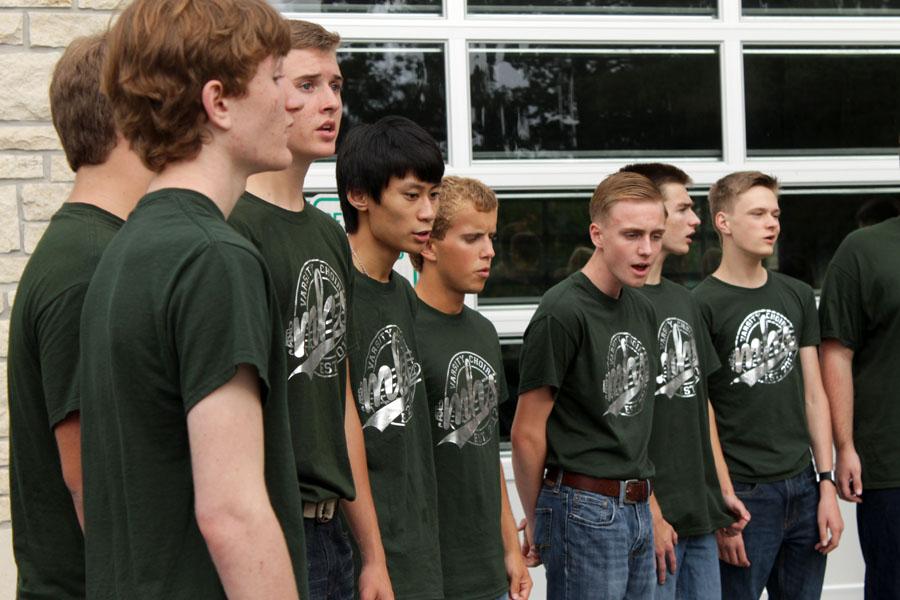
(745, 490)
(543, 518)
(593, 510)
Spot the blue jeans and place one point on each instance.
(329, 559)
(780, 541)
(593, 547)
(696, 574)
(878, 522)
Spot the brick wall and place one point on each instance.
(34, 176)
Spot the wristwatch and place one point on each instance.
(826, 476)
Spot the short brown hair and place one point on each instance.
(81, 114)
(162, 53)
(659, 173)
(306, 35)
(457, 193)
(725, 191)
(618, 187)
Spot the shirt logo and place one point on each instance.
(627, 375)
(680, 363)
(765, 348)
(386, 391)
(469, 408)
(316, 332)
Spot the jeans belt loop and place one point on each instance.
(559, 477)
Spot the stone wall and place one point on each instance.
(34, 176)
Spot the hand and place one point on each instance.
(829, 518)
(731, 549)
(849, 475)
(665, 539)
(742, 515)
(529, 551)
(374, 582)
(520, 583)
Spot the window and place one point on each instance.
(822, 100)
(405, 79)
(361, 6)
(614, 7)
(556, 101)
(822, 8)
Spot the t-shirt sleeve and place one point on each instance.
(810, 335)
(841, 313)
(547, 351)
(58, 330)
(220, 319)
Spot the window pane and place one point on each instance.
(405, 79)
(361, 6)
(542, 237)
(821, 101)
(822, 8)
(554, 101)
(614, 7)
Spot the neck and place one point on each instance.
(281, 188)
(740, 268)
(655, 276)
(432, 291)
(370, 256)
(115, 186)
(212, 173)
(597, 271)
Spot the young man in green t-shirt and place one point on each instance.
(309, 259)
(189, 474)
(463, 372)
(44, 403)
(687, 504)
(769, 402)
(860, 317)
(388, 175)
(586, 395)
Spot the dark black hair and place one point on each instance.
(371, 154)
(658, 173)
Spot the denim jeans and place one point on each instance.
(696, 574)
(780, 541)
(878, 522)
(593, 547)
(329, 559)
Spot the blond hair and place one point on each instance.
(306, 35)
(618, 187)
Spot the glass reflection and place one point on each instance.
(629, 7)
(821, 101)
(405, 79)
(822, 8)
(361, 6)
(549, 101)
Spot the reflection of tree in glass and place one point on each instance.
(410, 84)
(596, 6)
(566, 104)
(823, 7)
(360, 6)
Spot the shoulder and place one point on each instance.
(799, 288)
(479, 321)
(561, 301)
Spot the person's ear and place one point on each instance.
(358, 200)
(721, 223)
(216, 105)
(596, 235)
(428, 252)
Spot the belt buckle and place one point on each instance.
(623, 490)
(325, 510)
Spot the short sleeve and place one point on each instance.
(58, 340)
(841, 313)
(810, 334)
(547, 351)
(709, 358)
(219, 318)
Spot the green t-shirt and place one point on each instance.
(686, 484)
(309, 259)
(464, 378)
(598, 354)
(393, 407)
(860, 307)
(177, 302)
(42, 376)
(758, 392)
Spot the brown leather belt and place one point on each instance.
(630, 491)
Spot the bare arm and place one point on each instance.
(374, 581)
(232, 504)
(529, 452)
(837, 376)
(664, 539)
(68, 442)
(819, 423)
(520, 583)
